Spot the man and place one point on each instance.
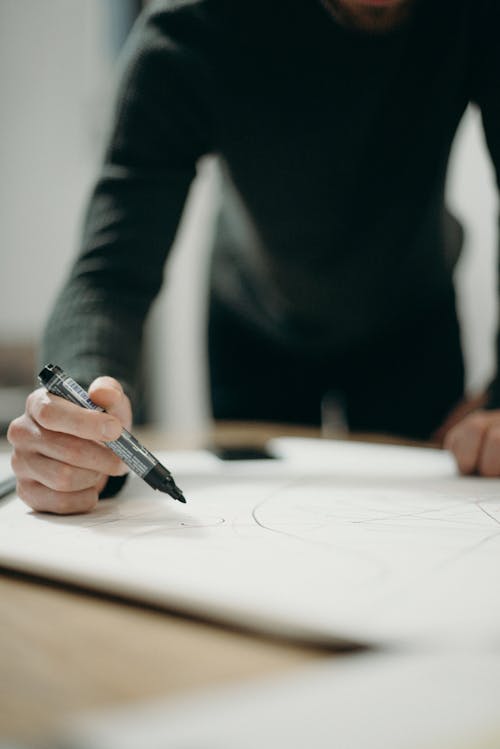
(333, 120)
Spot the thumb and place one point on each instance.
(108, 393)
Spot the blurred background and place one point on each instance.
(58, 60)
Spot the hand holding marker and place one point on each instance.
(126, 447)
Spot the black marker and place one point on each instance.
(128, 449)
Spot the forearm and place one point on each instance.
(89, 335)
(97, 322)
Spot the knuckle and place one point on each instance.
(33, 400)
(64, 477)
(21, 489)
(451, 439)
(475, 423)
(16, 462)
(16, 430)
(69, 449)
(454, 443)
(24, 491)
(43, 411)
(70, 452)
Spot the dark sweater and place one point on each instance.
(336, 143)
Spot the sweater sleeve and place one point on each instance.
(159, 131)
(487, 96)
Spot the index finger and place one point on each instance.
(59, 415)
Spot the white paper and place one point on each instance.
(381, 701)
(334, 541)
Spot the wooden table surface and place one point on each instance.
(64, 649)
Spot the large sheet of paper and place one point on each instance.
(412, 701)
(333, 541)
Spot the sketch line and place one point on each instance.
(488, 514)
(382, 568)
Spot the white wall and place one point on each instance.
(56, 65)
(472, 195)
(54, 78)
(176, 342)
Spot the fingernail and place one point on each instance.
(109, 430)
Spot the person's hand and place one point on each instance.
(474, 441)
(59, 458)
(462, 409)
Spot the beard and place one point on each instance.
(372, 19)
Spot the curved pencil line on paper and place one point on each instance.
(467, 550)
(485, 512)
(326, 515)
(382, 569)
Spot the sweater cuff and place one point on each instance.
(113, 486)
(493, 396)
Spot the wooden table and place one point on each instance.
(63, 650)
